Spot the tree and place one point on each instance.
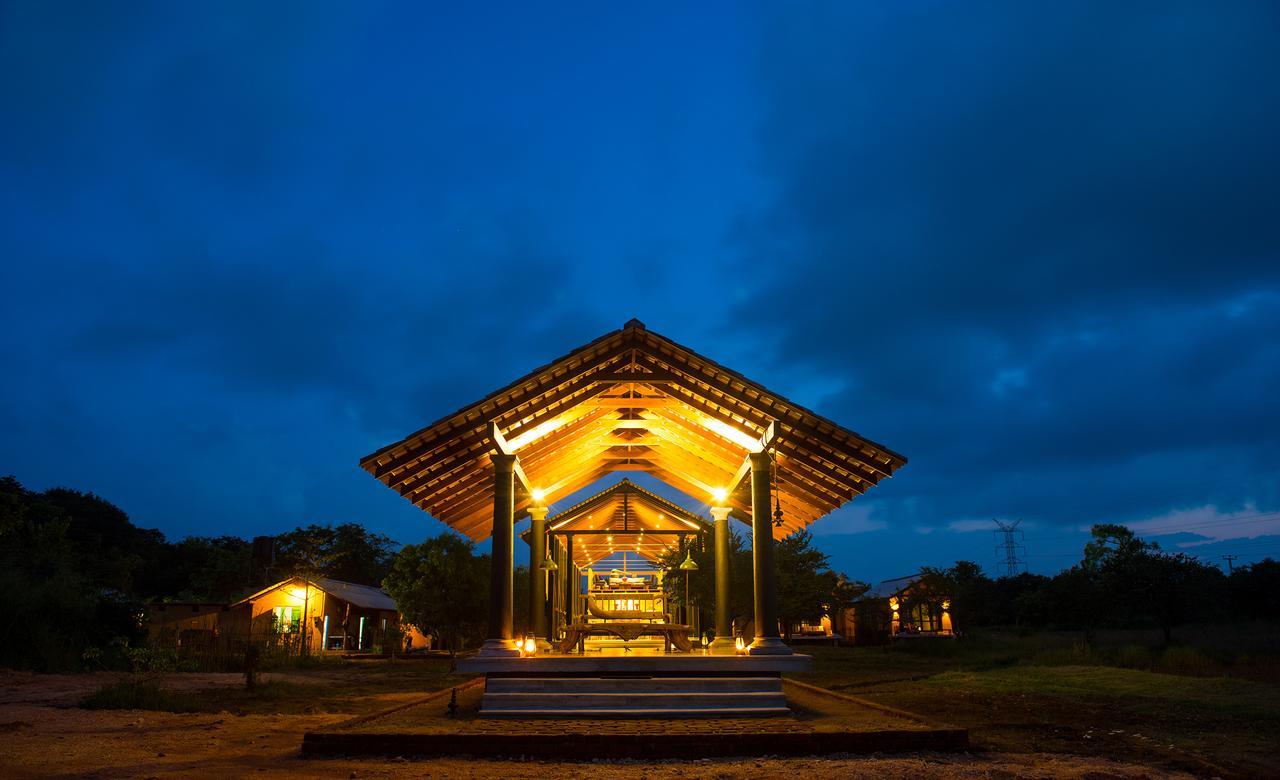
(844, 594)
(702, 583)
(1255, 590)
(214, 569)
(441, 585)
(1110, 542)
(805, 582)
(346, 552)
(971, 595)
(53, 609)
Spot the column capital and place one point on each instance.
(503, 464)
(720, 512)
(759, 460)
(538, 513)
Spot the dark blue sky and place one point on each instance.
(1036, 249)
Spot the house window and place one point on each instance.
(924, 618)
(287, 620)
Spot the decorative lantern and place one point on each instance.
(739, 646)
(530, 646)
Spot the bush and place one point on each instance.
(1180, 659)
(1079, 654)
(138, 695)
(1133, 657)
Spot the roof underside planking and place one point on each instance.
(631, 400)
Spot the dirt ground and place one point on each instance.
(43, 734)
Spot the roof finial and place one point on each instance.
(634, 323)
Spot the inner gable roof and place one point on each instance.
(631, 400)
(625, 517)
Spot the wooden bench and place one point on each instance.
(671, 633)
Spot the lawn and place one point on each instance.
(330, 687)
(1047, 693)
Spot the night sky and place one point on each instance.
(1035, 249)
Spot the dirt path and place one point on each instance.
(42, 735)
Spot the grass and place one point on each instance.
(1173, 707)
(339, 687)
(139, 695)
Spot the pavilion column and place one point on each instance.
(500, 639)
(767, 641)
(538, 578)
(723, 644)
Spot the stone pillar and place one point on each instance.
(767, 641)
(500, 640)
(538, 578)
(723, 643)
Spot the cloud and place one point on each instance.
(1036, 244)
(1208, 524)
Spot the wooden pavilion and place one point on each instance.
(630, 401)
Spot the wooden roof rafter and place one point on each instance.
(630, 400)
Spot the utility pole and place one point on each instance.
(1008, 544)
(1230, 559)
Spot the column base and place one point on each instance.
(543, 645)
(499, 648)
(768, 645)
(722, 645)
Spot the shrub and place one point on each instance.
(1080, 653)
(1133, 657)
(138, 695)
(1181, 659)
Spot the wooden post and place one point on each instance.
(767, 641)
(538, 578)
(723, 643)
(500, 641)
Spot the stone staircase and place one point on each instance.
(633, 697)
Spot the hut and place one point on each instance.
(317, 616)
(915, 606)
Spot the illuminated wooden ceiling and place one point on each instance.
(625, 518)
(631, 400)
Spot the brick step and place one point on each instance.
(642, 701)
(570, 685)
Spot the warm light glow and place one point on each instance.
(539, 495)
(946, 605)
(720, 495)
(739, 645)
(893, 603)
(744, 440)
(530, 646)
(536, 432)
(299, 593)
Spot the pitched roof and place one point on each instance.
(365, 596)
(631, 400)
(643, 522)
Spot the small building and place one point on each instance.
(183, 623)
(900, 608)
(322, 615)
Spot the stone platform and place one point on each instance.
(634, 685)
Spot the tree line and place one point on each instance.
(75, 572)
(1121, 581)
